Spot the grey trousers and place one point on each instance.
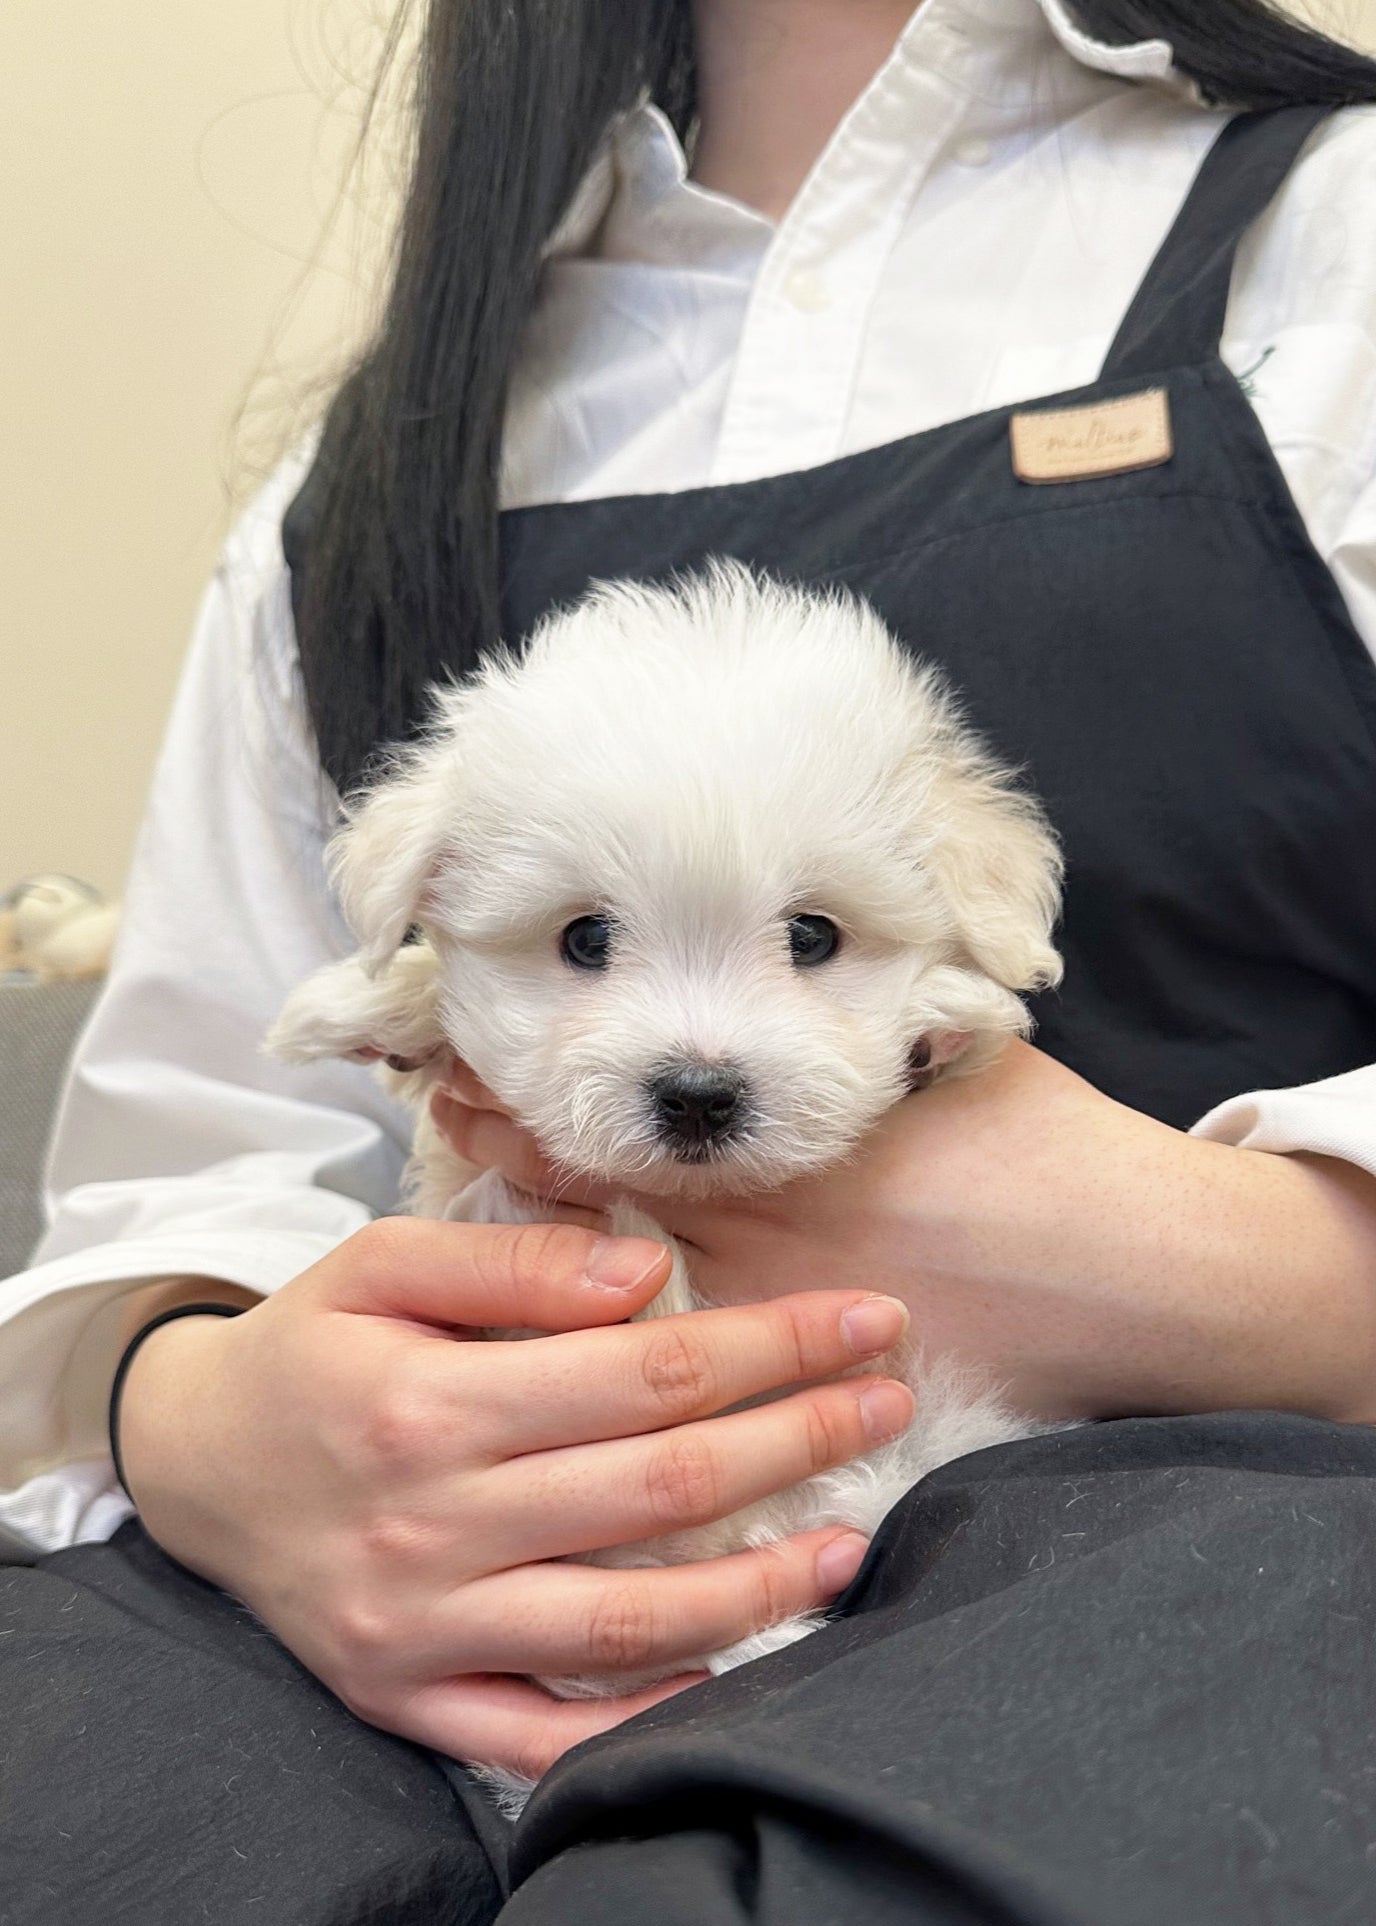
(1122, 1675)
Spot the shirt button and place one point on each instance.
(807, 291)
(974, 152)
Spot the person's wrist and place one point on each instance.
(169, 1408)
(135, 1342)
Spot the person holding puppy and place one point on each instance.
(1046, 328)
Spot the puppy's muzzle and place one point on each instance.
(697, 1107)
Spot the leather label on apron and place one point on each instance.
(1106, 438)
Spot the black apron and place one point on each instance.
(1116, 1677)
(1163, 652)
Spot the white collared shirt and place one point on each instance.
(971, 237)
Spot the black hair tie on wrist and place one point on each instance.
(131, 1350)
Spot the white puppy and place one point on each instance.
(707, 879)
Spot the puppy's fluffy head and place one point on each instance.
(711, 874)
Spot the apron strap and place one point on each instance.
(1177, 316)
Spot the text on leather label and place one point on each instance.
(1106, 438)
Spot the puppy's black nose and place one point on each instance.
(697, 1105)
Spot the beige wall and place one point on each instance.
(165, 170)
(165, 166)
(1353, 20)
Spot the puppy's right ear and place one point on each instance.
(388, 1015)
(395, 836)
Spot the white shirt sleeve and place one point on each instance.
(1335, 1118)
(179, 1147)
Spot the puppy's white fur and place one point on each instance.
(699, 763)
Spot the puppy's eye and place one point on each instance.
(586, 943)
(813, 939)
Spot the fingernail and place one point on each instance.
(623, 1263)
(873, 1325)
(887, 1409)
(839, 1561)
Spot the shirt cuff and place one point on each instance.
(59, 1345)
(1335, 1118)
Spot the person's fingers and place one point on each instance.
(592, 1496)
(546, 1213)
(587, 1386)
(493, 1141)
(543, 1277)
(570, 1619)
(495, 1720)
(461, 1082)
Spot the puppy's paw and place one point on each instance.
(510, 1790)
(774, 1638)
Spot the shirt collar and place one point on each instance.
(1149, 60)
(643, 159)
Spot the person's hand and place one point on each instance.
(1092, 1260)
(390, 1495)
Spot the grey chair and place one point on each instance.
(39, 1024)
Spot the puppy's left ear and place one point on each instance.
(394, 839)
(998, 865)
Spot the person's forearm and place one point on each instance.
(1310, 1270)
(1238, 1278)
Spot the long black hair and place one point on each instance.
(394, 543)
